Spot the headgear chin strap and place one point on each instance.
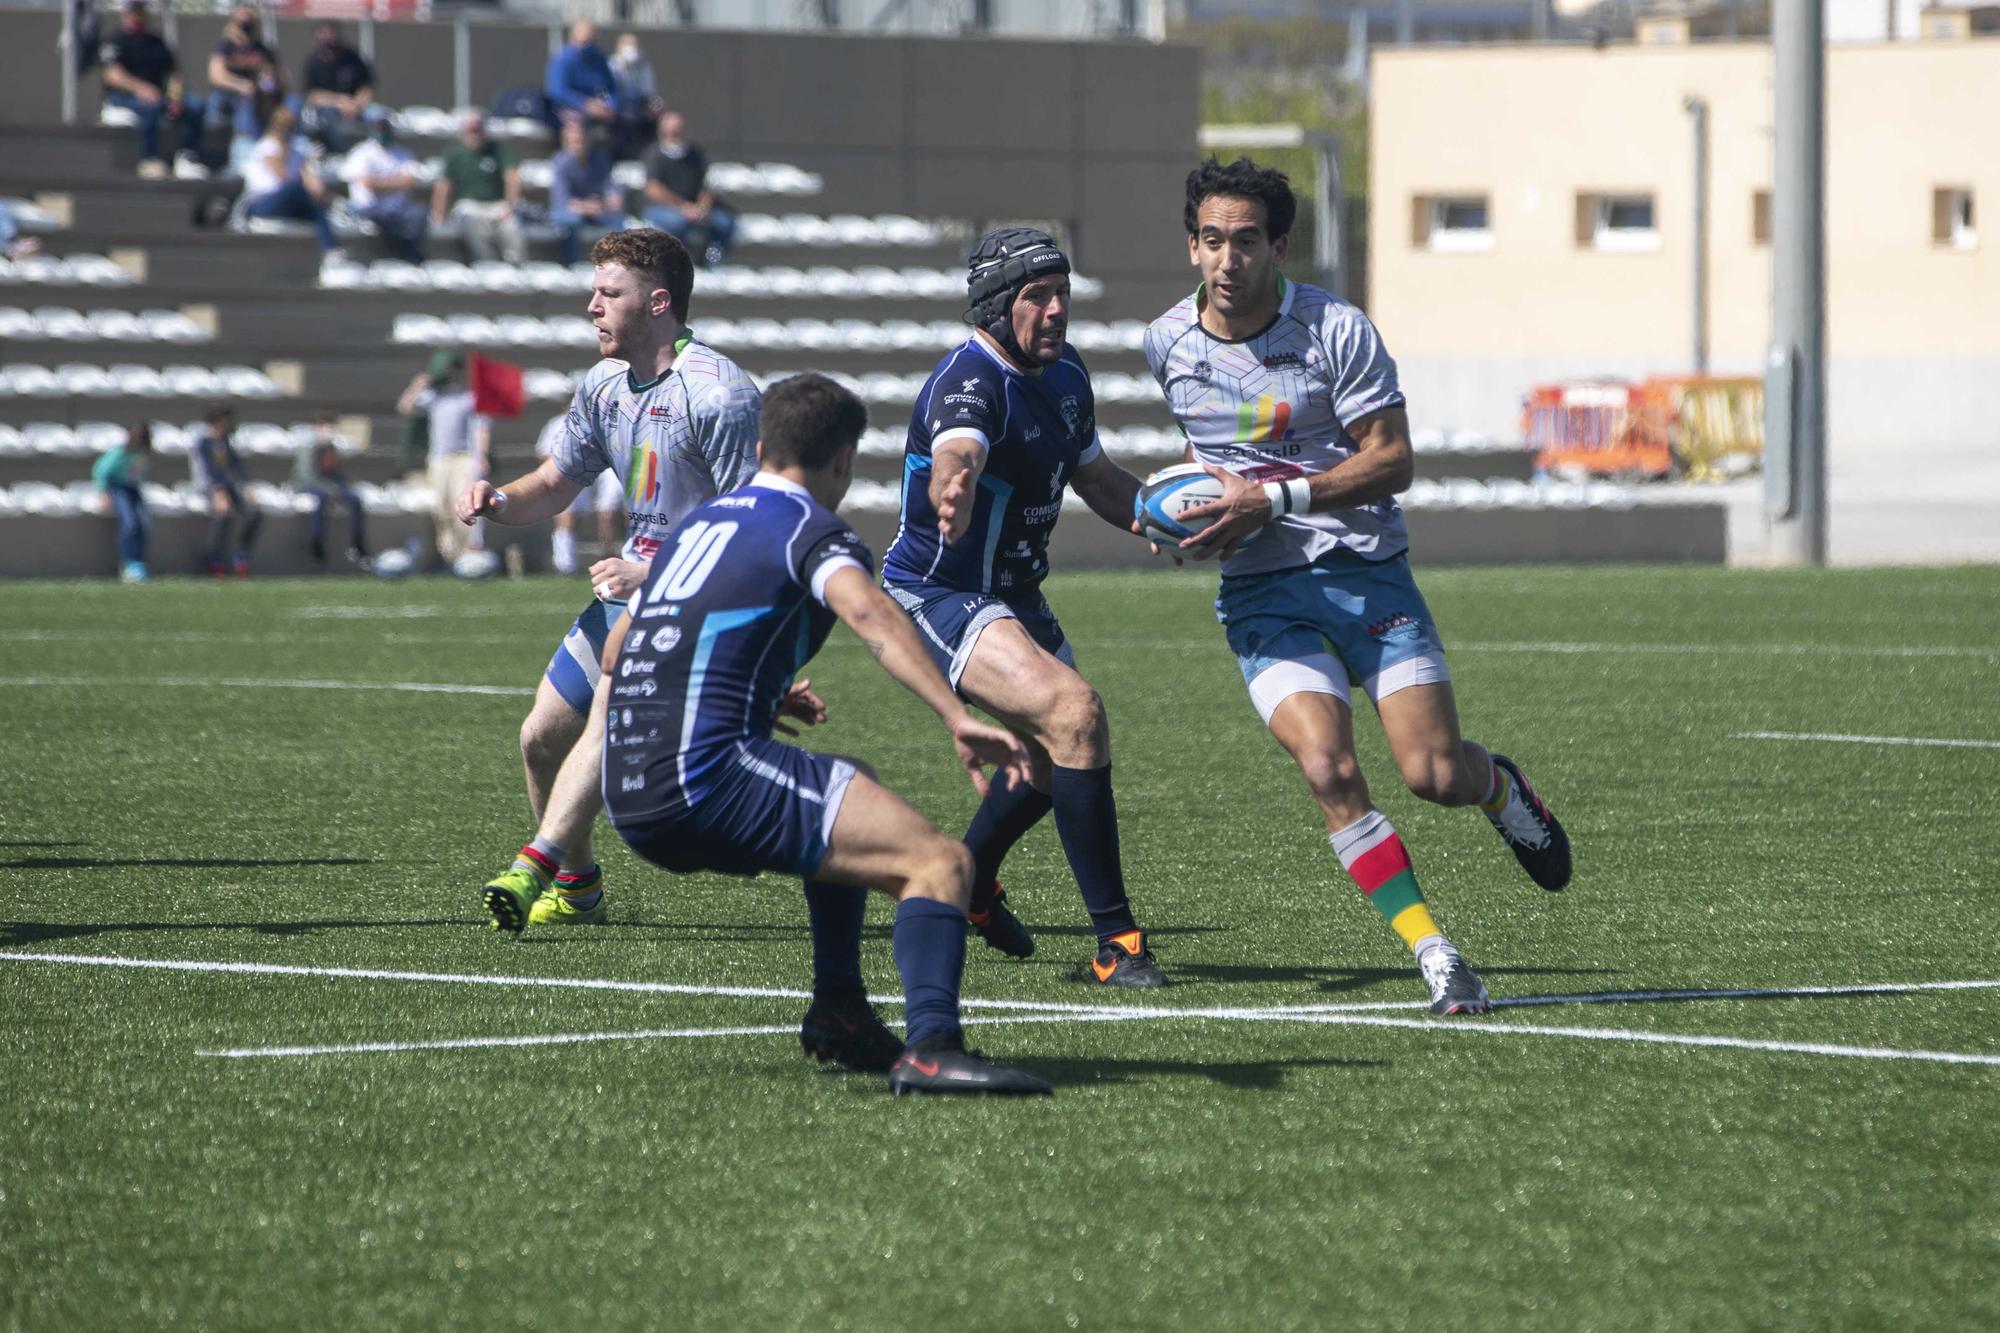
(1006, 260)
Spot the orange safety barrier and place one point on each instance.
(1699, 427)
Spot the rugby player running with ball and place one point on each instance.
(1288, 397)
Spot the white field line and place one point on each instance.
(488, 1043)
(1657, 1038)
(510, 610)
(252, 683)
(297, 637)
(1035, 1012)
(1085, 640)
(551, 983)
(1948, 742)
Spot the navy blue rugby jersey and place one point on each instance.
(733, 607)
(1038, 430)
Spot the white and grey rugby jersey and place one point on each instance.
(1277, 405)
(683, 438)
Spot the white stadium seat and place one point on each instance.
(495, 276)
(97, 382)
(192, 381)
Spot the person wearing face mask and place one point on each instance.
(339, 87)
(637, 97)
(245, 83)
(479, 186)
(142, 76)
(381, 181)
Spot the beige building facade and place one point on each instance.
(1532, 218)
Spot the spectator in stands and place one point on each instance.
(318, 474)
(480, 187)
(119, 475)
(579, 83)
(461, 445)
(339, 86)
(13, 245)
(142, 76)
(279, 183)
(679, 200)
(582, 197)
(381, 179)
(245, 84)
(637, 98)
(222, 475)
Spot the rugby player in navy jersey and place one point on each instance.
(1004, 425)
(676, 422)
(704, 661)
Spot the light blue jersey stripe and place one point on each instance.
(1001, 492)
(717, 624)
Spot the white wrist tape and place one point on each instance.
(1289, 497)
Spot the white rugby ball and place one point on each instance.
(1170, 493)
(393, 563)
(476, 565)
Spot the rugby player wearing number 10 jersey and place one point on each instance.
(742, 595)
(1287, 395)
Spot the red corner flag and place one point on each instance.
(496, 386)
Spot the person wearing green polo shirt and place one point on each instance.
(480, 188)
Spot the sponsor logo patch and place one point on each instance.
(666, 640)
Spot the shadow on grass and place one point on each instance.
(1249, 1075)
(175, 863)
(37, 842)
(34, 932)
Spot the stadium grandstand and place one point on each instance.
(149, 300)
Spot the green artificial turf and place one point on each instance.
(1191, 1172)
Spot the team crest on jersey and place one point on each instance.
(1072, 413)
(1202, 371)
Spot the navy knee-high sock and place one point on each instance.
(1087, 823)
(835, 911)
(930, 953)
(1008, 812)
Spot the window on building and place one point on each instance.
(1760, 218)
(1952, 221)
(1456, 222)
(1616, 222)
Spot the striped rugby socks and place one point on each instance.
(1374, 855)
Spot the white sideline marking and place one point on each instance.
(1363, 1013)
(485, 1043)
(286, 638)
(438, 612)
(1728, 649)
(1862, 740)
(1657, 1038)
(250, 683)
(478, 979)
